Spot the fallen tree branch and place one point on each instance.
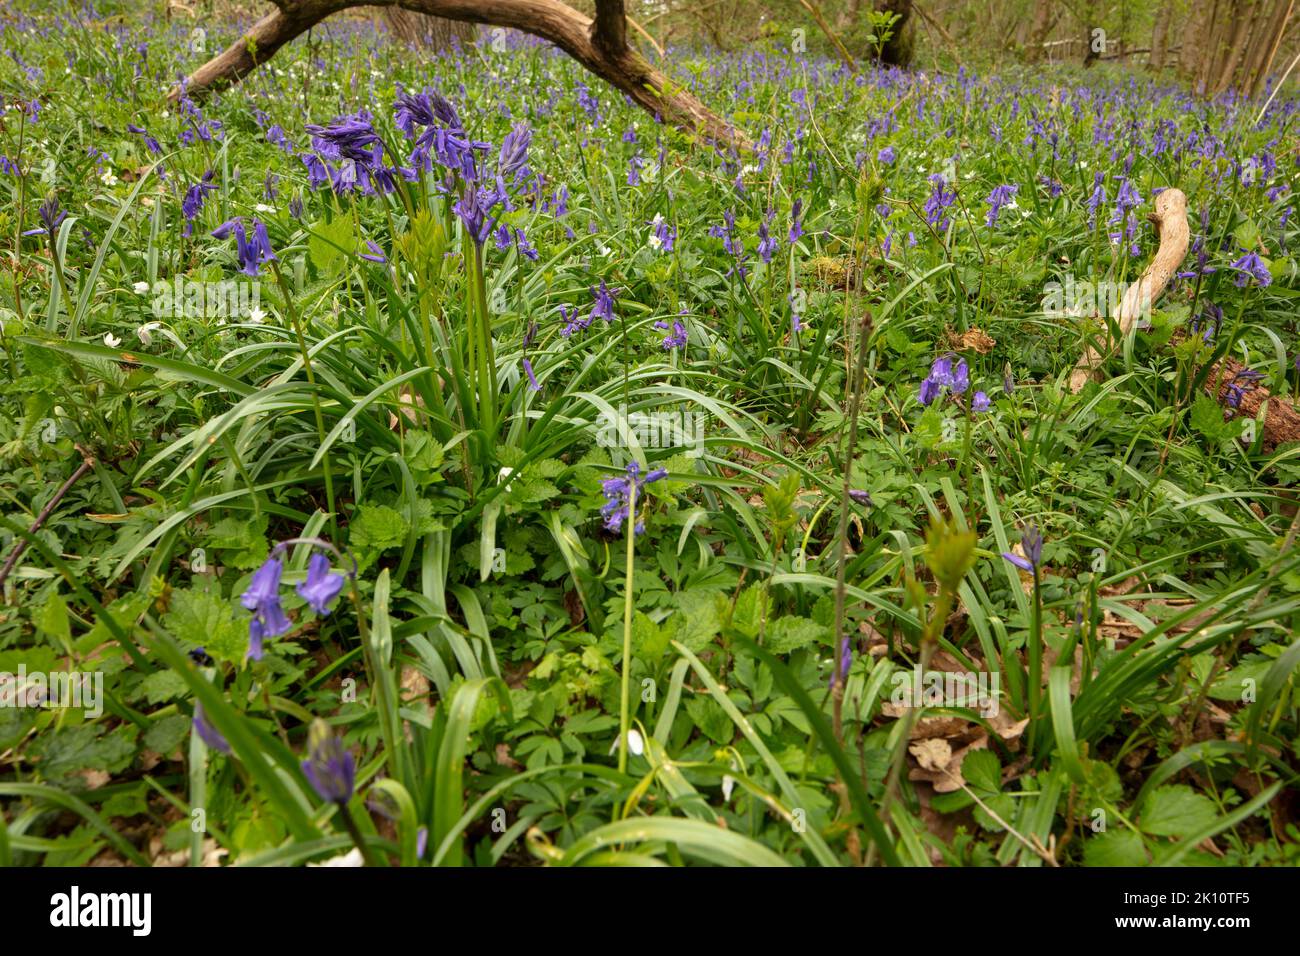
(1235, 386)
(1170, 219)
(600, 45)
(86, 464)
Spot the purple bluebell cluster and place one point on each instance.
(262, 597)
(252, 251)
(622, 492)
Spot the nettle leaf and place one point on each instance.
(424, 454)
(1207, 418)
(1176, 811)
(1115, 848)
(64, 752)
(125, 612)
(331, 242)
(711, 719)
(696, 622)
(929, 429)
(161, 687)
(790, 633)
(53, 620)
(207, 620)
(747, 615)
(648, 638)
(165, 735)
(377, 528)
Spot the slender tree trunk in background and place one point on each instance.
(1091, 22)
(422, 30)
(1260, 63)
(849, 15)
(1045, 12)
(1192, 39)
(898, 50)
(1243, 18)
(1160, 35)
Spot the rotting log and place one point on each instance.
(599, 44)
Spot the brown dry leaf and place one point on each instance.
(505, 760)
(407, 402)
(415, 686)
(94, 778)
(972, 340)
(933, 754)
(947, 777)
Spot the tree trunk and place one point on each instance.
(587, 41)
(422, 30)
(1160, 35)
(1045, 13)
(1241, 27)
(897, 51)
(1257, 68)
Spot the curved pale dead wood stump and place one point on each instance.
(599, 44)
(1170, 220)
(1229, 383)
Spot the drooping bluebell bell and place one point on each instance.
(940, 199)
(51, 215)
(254, 252)
(767, 243)
(192, 202)
(532, 379)
(886, 155)
(263, 598)
(330, 767)
(841, 667)
(207, 733)
(999, 197)
(676, 338)
(151, 144)
(1031, 543)
(796, 221)
(322, 585)
(603, 304)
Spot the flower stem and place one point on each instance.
(625, 700)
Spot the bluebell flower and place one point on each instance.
(1031, 542)
(621, 492)
(263, 598)
(252, 252)
(1251, 266)
(999, 197)
(322, 585)
(604, 301)
(207, 733)
(329, 767)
